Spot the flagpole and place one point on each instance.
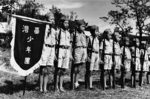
(102, 72)
(25, 79)
(73, 52)
(113, 60)
(123, 58)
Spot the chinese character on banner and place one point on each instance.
(28, 49)
(25, 28)
(29, 39)
(27, 60)
(36, 30)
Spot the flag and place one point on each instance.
(27, 44)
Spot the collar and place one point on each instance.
(63, 30)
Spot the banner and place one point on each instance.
(27, 44)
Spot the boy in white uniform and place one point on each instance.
(106, 50)
(64, 51)
(80, 53)
(117, 50)
(48, 54)
(126, 59)
(136, 64)
(93, 53)
(144, 51)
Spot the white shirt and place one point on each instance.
(108, 46)
(65, 37)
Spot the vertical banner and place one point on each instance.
(27, 44)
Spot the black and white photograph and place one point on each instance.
(74, 49)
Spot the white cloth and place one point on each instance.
(118, 55)
(48, 53)
(127, 58)
(64, 54)
(94, 63)
(108, 46)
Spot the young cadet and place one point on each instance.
(80, 53)
(93, 53)
(48, 54)
(117, 50)
(126, 60)
(144, 54)
(136, 64)
(63, 52)
(148, 73)
(106, 51)
(116, 55)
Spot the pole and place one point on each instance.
(123, 68)
(73, 52)
(25, 79)
(102, 67)
(88, 73)
(56, 68)
(113, 68)
(134, 65)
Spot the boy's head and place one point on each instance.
(50, 17)
(144, 45)
(5, 12)
(107, 34)
(65, 22)
(81, 24)
(116, 36)
(136, 42)
(94, 30)
(127, 41)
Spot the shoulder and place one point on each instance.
(111, 41)
(53, 30)
(89, 38)
(87, 33)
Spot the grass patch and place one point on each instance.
(11, 87)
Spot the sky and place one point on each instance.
(89, 10)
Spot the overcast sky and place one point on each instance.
(89, 10)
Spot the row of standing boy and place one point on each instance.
(61, 46)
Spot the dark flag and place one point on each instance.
(27, 44)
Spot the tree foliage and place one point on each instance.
(30, 9)
(138, 10)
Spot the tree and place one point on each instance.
(30, 9)
(138, 10)
(119, 19)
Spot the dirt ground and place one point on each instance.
(12, 85)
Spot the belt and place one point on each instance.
(81, 47)
(128, 59)
(95, 52)
(107, 53)
(135, 57)
(47, 45)
(64, 47)
(117, 54)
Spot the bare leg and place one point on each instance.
(91, 79)
(61, 80)
(76, 76)
(132, 80)
(45, 82)
(144, 76)
(41, 82)
(147, 76)
(105, 79)
(111, 80)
